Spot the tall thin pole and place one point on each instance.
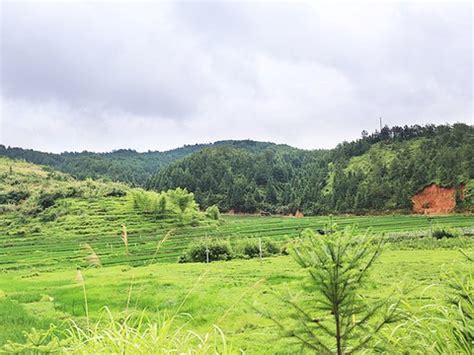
(380, 120)
(260, 250)
(431, 226)
(207, 250)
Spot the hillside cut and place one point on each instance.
(435, 199)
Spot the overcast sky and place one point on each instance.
(155, 76)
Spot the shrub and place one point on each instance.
(212, 212)
(115, 192)
(270, 248)
(47, 199)
(249, 248)
(177, 202)
(14, 197)
(441, 233)
(217, 249)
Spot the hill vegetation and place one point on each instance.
(63, 218)
(68, 248)
(377, 172)
(124, 165)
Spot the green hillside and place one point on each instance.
(378, 172)
(48, 217)
(375, 173)
(50, 220)
(123, 165)
(51, 225)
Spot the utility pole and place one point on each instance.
(380, 120)
(431, 226)
(260, 250)
(207, 251)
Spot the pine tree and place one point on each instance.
(338, 320)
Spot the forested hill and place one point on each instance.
(380, 171)
(123, 165)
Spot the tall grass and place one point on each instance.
(444, 328)
(134, 334)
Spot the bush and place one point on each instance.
(270, 248)
(218, 250)
(47, 199)
(14, 197)
(249, 248)
(441, 233)
(212, 212)
(115, 192)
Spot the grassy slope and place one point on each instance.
(98, 222)
(38, 259)
(225, 295)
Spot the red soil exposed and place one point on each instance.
(435, 199)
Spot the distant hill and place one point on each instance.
(380, 171)
(123, 165)
(377, 172)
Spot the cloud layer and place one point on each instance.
(103, 76)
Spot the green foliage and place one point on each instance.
(244, 248)
(378, 172)
(172, 202)
(203, 250)
(212, 212)
(440, 233)
(443, 328)
(248, 248)
(338, 319)
(134, 335)
(13, 196)
(123, 165)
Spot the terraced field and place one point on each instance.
(57, 244)
(45, 236)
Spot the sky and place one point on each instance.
(100, 76)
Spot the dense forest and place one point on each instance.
(379, 171)
(124, 165)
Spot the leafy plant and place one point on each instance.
(212, 212)
(440, 233)
(212, 250)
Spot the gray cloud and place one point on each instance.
(102, 76)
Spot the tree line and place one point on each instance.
(380, 171)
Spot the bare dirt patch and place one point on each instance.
(435, 199)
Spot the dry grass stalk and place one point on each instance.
(125, 238)
(161, 242)
(92, 258)
(80, 281)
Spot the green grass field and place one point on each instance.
(222, 293)
(38, 284)
(41, 250)
(56, 244)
